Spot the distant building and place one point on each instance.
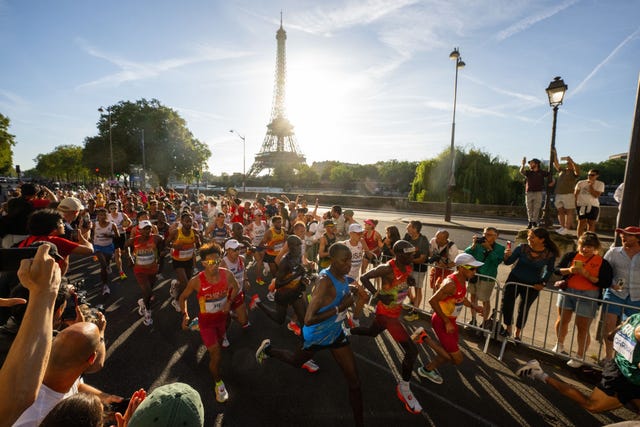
(622, 156)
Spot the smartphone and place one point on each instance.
(578, 264)
(10, 257)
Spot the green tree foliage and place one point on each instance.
(64, 163)
(342, 176)
(611, 170)
(396, 174)
(170, 148)
(7, 142)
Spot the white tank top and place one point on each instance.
(103, 236)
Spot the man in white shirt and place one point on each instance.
(587, 192)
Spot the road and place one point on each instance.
(483, 391)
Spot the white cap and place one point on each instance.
(257, 212)
(144, 223)
(69, 204)
(355, 228)
(232, 244)
(467, 259)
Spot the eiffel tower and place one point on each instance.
(279, 147)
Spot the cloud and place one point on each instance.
(130, 70)
(529, 21)
(10, 100)
(597, 68)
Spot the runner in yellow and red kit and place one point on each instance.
(184, 241)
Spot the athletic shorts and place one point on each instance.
(146, 277)
(238, 300)
(566, 201)
(591, 215)
(341, 341)
(394, 326)
(108, 250)
(614, 384)
(482, 289)
(212, 330)
(448, 341)
(187, 265)
(120, 240)
(269, 259)
(569, 299)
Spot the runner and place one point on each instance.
(184, 242)
(273, 241)
(396, 279)
(216, 288)
(104, 234)
(121, 221)
(447, 303)
(235, 264)
(323, 327)
(146, 249)
(256, 231)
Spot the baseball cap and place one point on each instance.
(69, 204)
(355, 228)
(144, 223)
(232, 244)
(370, 222)
(175, 404)
(467, 259)
(329, 223)
(535, 161)
(257, 212)
(629, 230)
(348, 212)
(53, 249)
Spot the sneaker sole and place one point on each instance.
(433, 380)
(406, 405)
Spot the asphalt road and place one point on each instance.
(482, 391)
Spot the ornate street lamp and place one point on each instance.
(556, 91)
(455, 55)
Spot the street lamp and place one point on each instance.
(455, 55)
(244, 169)
(102, 110)
(555, 92)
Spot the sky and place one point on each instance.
(367, 80)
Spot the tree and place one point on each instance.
(342, 176)
(64, 163)
(7, 142)
(169, 146)
(397, 175)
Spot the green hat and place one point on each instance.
(170, 405)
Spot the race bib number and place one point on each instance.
(624, 346)
(457, 309)
(145, 259)
(214, 306)
(186, 253)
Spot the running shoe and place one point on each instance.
(559, 348)
(253, 304)
(260, 281)
(176, 305)
(106, 290)
(148, 321)
(418, 335)
(409, 400)
(411, 317)
(123, 276)
(573, 363)
(221, 393)
(141, 307)
(433, 375)
(225, 341)
(271, 296)
(311, 366)
(293, 327)
(173, 289)
(95, 258)
(531, 369)
(261, 353)
(265, 269)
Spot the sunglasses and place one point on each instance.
(470, 267)
(593, 174)
(211, 261)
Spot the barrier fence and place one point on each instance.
(539, 331)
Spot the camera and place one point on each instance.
(480, 239)
(434, 259)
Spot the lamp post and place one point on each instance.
(455, 55)
(244, 152)
(556, 90)
(102, 110)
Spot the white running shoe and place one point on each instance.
(532, 369)
(311, 366)
(141, 307)
(573, 363)
(176, 305)
(173, 289)
(148, 321)
(409, 400)
(265, 269)
(558, 348)
(271, 296)
(106, 290)
(225, 341)
(221, 393)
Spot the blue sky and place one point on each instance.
(368, 80)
